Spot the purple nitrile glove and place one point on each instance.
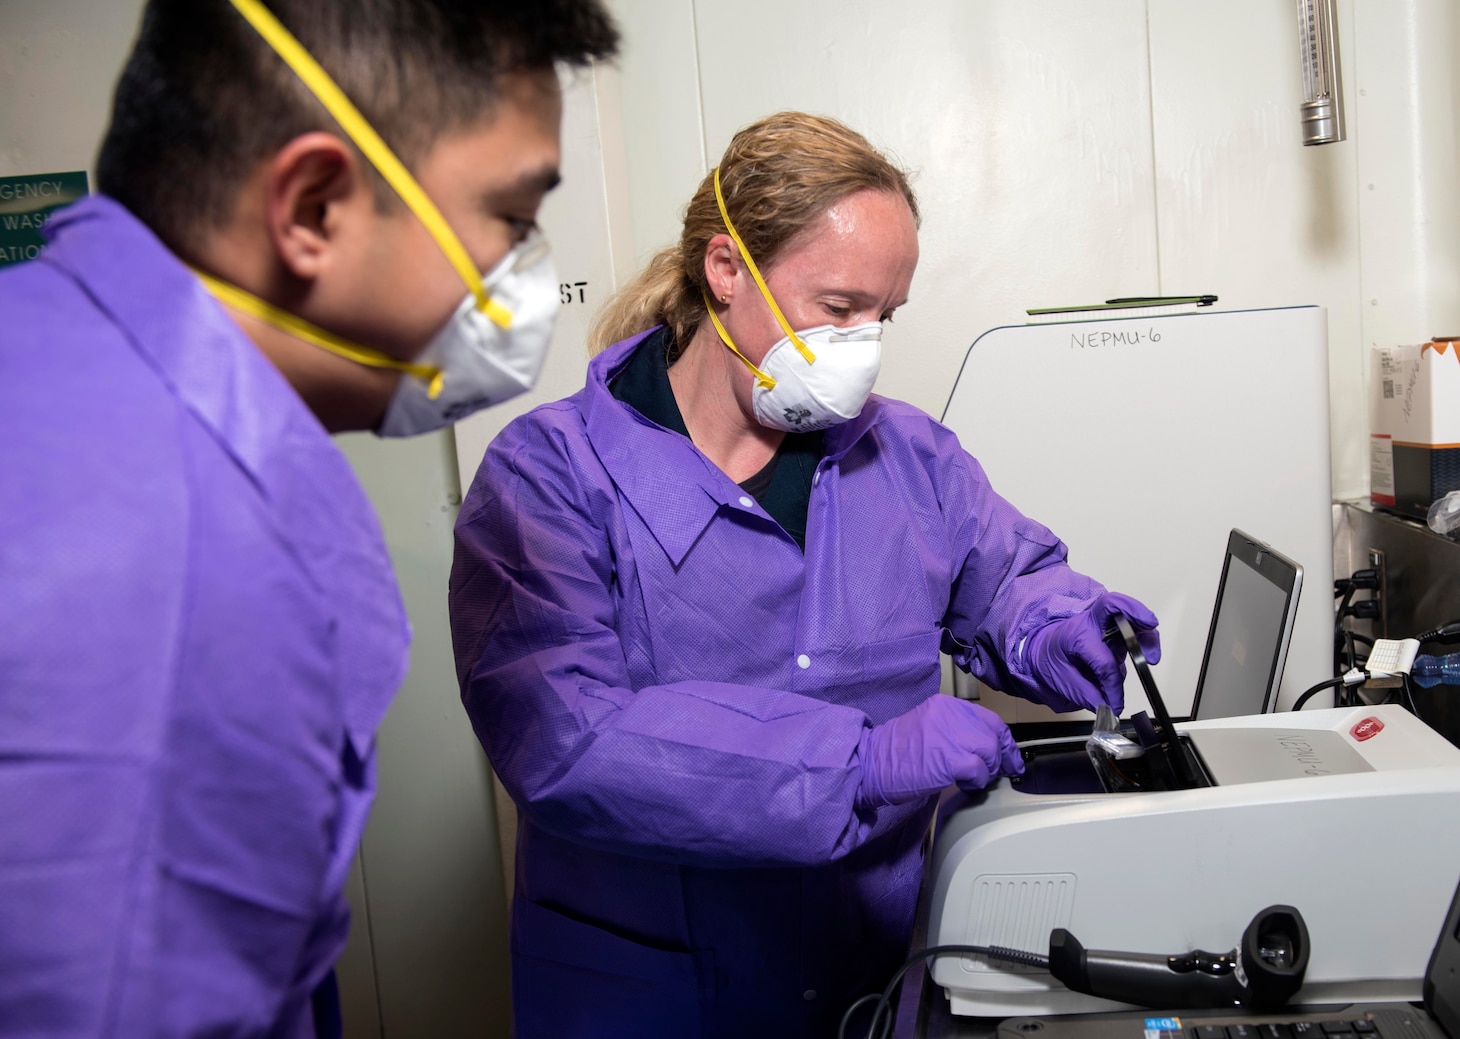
(942, 740)
(1075, 664)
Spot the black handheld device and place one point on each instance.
(1170, 761)
(1262, 973)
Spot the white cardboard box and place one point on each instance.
(1414, 423)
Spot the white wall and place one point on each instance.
(59, 60)
(1408, 179)
(1068, 152)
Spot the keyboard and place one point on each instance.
(1355, 1021)
(1357, 1028)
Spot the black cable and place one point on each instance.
(1366, 579)
(1345, 695)
(1353, 662)
(1339, 613)
(1348, 696)
(841, 1032)
(1409, 695)
(1446, 633)
(1365, 609)
(884, 1001)
(1310, 693)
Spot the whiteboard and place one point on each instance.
(1142, 442)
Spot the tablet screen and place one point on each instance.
(1248, 637)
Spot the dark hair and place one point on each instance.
(203, 98)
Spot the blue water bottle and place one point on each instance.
(1429, 671)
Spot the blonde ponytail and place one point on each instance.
(661, 294)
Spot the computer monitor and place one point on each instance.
(1252, 624)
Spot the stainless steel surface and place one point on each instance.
(1322, 107)
(1322, 121)
(1420, 589)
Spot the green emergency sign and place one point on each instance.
(26, 203)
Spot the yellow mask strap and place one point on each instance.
(765, 291)
(375, 149)
(761, 377)
(239, 299)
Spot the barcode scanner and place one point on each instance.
(1262, 973)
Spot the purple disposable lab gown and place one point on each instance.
(673, 695)
(199, 633)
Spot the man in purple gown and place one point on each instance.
(199, 626)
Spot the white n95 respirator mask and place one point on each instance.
(811, 379)
(493, 346)
(480, 361)
(799, 395)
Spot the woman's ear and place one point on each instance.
(315, 185)
(722, 267)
